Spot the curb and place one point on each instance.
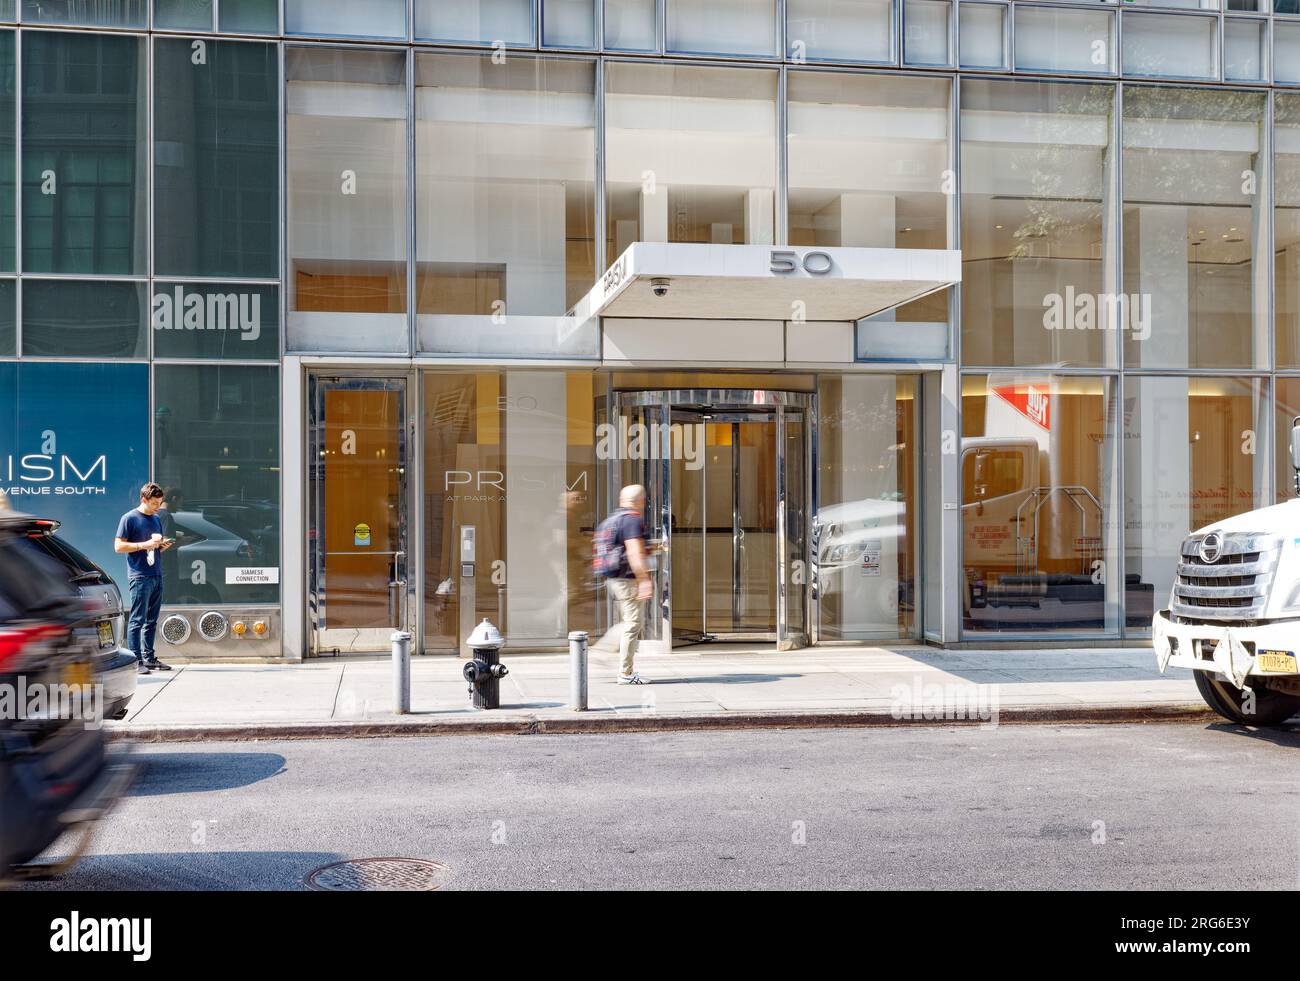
(581, 723)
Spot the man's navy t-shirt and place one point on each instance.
(627, 526)
(136, 526)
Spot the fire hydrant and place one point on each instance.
(485, 671)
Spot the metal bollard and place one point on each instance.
(578, 670)
(401, 672)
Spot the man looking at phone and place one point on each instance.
(140, 539)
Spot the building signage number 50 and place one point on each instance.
(813, 263)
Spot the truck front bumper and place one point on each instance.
(1229, 651)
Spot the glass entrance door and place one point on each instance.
(357, 496)
(726, 474)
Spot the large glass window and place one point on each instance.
(740, 27)
(8, 163)
(1171, 46)
(122, 13)
(630, 25)
(347, 199)
(229, 321)
(1195, 294)
(690, 154)
(1039, 508)
(74, 319)
(216, 158)
(85, 153)
(479, 21)
(1036, 231)
(1192, 456)
(1286, 51)
(1245, 49)
(982, 33)
(8, 317)
(512, 455)
(569, 23)
(355, 18)
(866, 534)
(217, 452)
(249, 16)
(1286, 226)
(183, 15)
(1286, 409)
(926, 32)
(505, 198)
(855, 178)
(1066, 40)
(840, 30)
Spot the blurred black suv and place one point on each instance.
(55, 771)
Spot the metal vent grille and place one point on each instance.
(175, 629)
(213, 626)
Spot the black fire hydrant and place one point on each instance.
(485, 671)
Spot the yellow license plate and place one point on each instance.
(78, 674)
(1282, 662)
(106, 634)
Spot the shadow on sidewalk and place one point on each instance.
(1052, 666)
(1287, 736)
(192, 773)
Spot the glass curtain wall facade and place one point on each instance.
(192, 192)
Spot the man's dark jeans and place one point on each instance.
(146, 601)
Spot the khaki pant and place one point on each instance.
(632, 612)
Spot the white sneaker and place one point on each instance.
(631, 679)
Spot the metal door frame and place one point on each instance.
(407, 561)
(752, 403)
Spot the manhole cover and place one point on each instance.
(380, 875)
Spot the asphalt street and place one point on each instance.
(1166, 806)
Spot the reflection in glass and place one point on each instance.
(1064, 40)
(249, 16)
(1187, 463)
(8, 164)
(1038, 509)
(1173, 47)
(72, 319)
(866, 536)
(347, 199)
(630, 25)
(505, 186)
(511, 454)
(1245, 49)
(926, 32)
(982, 35)
(478, 21)
(1191, 160)
(1286, 226)
(227, 321)
(122, 13)
(840, 30)
(354, 18)
(690, 154)
(85, 154)
(1035, 231)
(179, 15)
(739, 27)
(217, 452)
(569, 23)
(854, 181)
(216, 159)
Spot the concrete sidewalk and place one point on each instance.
(709, 686)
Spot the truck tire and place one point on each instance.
(1272, 708)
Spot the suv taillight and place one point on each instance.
(14, 640)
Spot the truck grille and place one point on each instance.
(1225, 576)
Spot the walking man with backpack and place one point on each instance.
(620, 559)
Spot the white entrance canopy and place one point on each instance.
(765, 282)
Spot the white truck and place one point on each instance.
(1234, 611)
